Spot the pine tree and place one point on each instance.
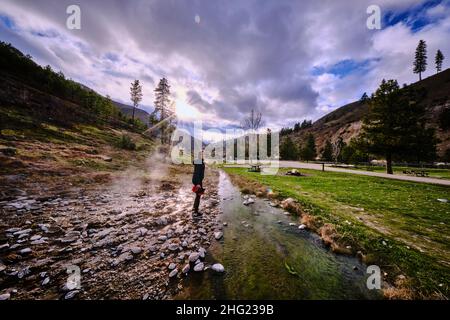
(164, 108)
(364, 97)
(288, 150)
(327, 154)
(308, 152)
(136, 95)
(439, 59)
(395, 125)
(420, 60)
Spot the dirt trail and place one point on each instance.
(123, 236)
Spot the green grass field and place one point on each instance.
(400, 224)
(433, 173)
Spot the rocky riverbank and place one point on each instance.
(133, 238)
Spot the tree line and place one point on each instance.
(18, 65)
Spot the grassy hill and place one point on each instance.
(346, 121)
(57, 131)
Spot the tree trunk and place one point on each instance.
(420, 76)
(389, 163)
(133, 114)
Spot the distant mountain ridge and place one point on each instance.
(346, 121)
(128, 111)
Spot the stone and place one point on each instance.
(202, 253)
(173, 247)
(172, 266)
(20, 232)
(4, 246)
(35, 237)
(443, 200)
(217, 267)
(225, 224)
(173, 273)
(248, 201)
(218, 235)
(23, 272)
(136, 250)
(142, 231)
(199, 267)
(194, 256)
(186, 268)
(46, 281)
(5, 296)
(302, 227)
(71, 294)
(25, 251)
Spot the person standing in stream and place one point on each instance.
(197, 181)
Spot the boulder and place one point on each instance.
(217, 267)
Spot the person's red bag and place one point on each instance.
(198, 189)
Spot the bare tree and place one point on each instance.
(253, 122)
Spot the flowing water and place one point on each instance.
(266, 258)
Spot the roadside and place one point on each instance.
(318, 166)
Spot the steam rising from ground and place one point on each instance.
(133, 180)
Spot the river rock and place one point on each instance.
(173, 247)
(5, 296)
(202, 253)
(217, 267)
(173, 273)
(199, 267)
(35, 237)
(194, 256)
(46, 281)
(218, 235)
(302, 227)
(172, 266)
(186, 268)
(25, 251)
(71, 294)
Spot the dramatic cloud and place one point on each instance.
(291, 60)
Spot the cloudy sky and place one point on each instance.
(292, 60)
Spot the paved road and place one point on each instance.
(316, 166)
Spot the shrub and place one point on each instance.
(126, 143)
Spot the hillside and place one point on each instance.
(346, 121)
(128, 111)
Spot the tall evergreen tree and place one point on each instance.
(164, 108)
(327, 154)
(136, 95)
(395, 124)
(439, 59)
(308, 152)
(288, 149)
(420, 60)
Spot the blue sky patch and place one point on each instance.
(415, 17)
(7, 21)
